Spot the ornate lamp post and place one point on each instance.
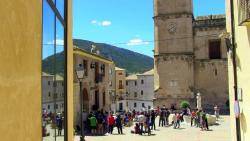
(80, 76)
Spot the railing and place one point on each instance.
(244, 12)
(121, 87)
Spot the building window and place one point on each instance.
(110, 71)
(110, 83)
(48, 107)
(142, 81)
(56, 106)
(120, 84)
(48, 82)
(149, 107)
(104, 99)
(135, 105)
(135, 83)
(49, 94)
(85, 67)
(173, 83)
(143, 105)
(126, 83)
(141, 92)
(120, 73)
(103, 69)
(215, 72)
(135, 94)
(215, 49)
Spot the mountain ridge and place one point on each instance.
(132, 61)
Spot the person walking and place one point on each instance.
(59, 125)
(193, 118)
(100, 121)
(111, 123)
(167, 116)
(141, 120)
(175, 120)
(216, 112)
(178, 116)
(198, 118)
(148, 124)
(118, 122)
(153, 116)
(161, 119)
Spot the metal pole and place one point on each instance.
(81, 102)
(237, 121)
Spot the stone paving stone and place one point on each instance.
(219, 132)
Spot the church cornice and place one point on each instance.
(173, 16)
(175, 54)
(188, 57)
(210, 23)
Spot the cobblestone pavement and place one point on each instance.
(220, 132)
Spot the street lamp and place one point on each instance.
(80, 76)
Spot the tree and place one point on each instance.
(184, 104)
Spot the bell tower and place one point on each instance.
(174, 51)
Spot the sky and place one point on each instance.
(126, 23)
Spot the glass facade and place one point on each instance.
(53, 71)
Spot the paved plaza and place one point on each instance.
(220, 132)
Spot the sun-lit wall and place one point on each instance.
(242, 36)
(20, 70)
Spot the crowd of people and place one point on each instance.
(100, 123)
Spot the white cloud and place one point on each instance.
(94, 22)
(106, 23)
(101, 23)
(137, 42)
(59, 42)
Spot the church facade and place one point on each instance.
(190, 57)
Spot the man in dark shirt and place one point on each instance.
(153, 116)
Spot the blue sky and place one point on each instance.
(126, 23)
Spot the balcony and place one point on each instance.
(99, 78)
(121, 87)
(244, 12)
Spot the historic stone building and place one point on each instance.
(189, 56)
(97, 83)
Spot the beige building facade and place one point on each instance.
(140, 91)
(120, 89)
(52, 97)
(189, 56)
(21, 70)
(239, 72)
(97, 82)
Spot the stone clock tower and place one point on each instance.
(174, 52)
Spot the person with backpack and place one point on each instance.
(93, 124)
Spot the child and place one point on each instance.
(175, 120)
(178, 120)
(136, 129)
